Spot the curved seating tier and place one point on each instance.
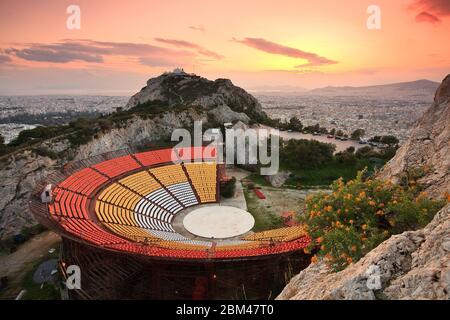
(129, 204)
(280, 234)
(204, 178)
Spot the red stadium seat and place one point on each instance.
(117, 166)
(151, 158)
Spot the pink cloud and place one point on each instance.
(275, 48)
(198, 28)
(91, 51)
(431, 11)
(427, 17)
(193, 46)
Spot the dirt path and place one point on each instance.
(238, 200)
(16, 265)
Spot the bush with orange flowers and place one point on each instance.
(358, 215)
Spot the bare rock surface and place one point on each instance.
(426, 153)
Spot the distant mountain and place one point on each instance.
(424, 89)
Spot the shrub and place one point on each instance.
(105, 125)
(45, 152)
(228, 189)
(358, 215)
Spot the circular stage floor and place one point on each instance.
(218, 222)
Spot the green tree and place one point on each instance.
(105, 125)
(295, 124)
(358, 133)
(228, 189)
(390, 140)
(298, 154)
(3, 147)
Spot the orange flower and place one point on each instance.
(351, 221)
(328, 208)
(349, 260)
(313, 259)
(338, 224)
(339, 211)
(380, 213)
(364, 226)
(319, 240)
(322, 247)
(353, 248)
(362, 194)
(382, 205)
(372, 203)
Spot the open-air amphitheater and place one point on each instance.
(150, 225)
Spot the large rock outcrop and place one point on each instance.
(173, 89)
(200, 99)
(411, 265)
(426, 154)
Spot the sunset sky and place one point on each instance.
(253, 42)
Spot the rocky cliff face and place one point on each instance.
(411, 265)
(219, 99)
(426, 153)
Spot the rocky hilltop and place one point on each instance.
(179, 99)
(411, 265)
(219, 96)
